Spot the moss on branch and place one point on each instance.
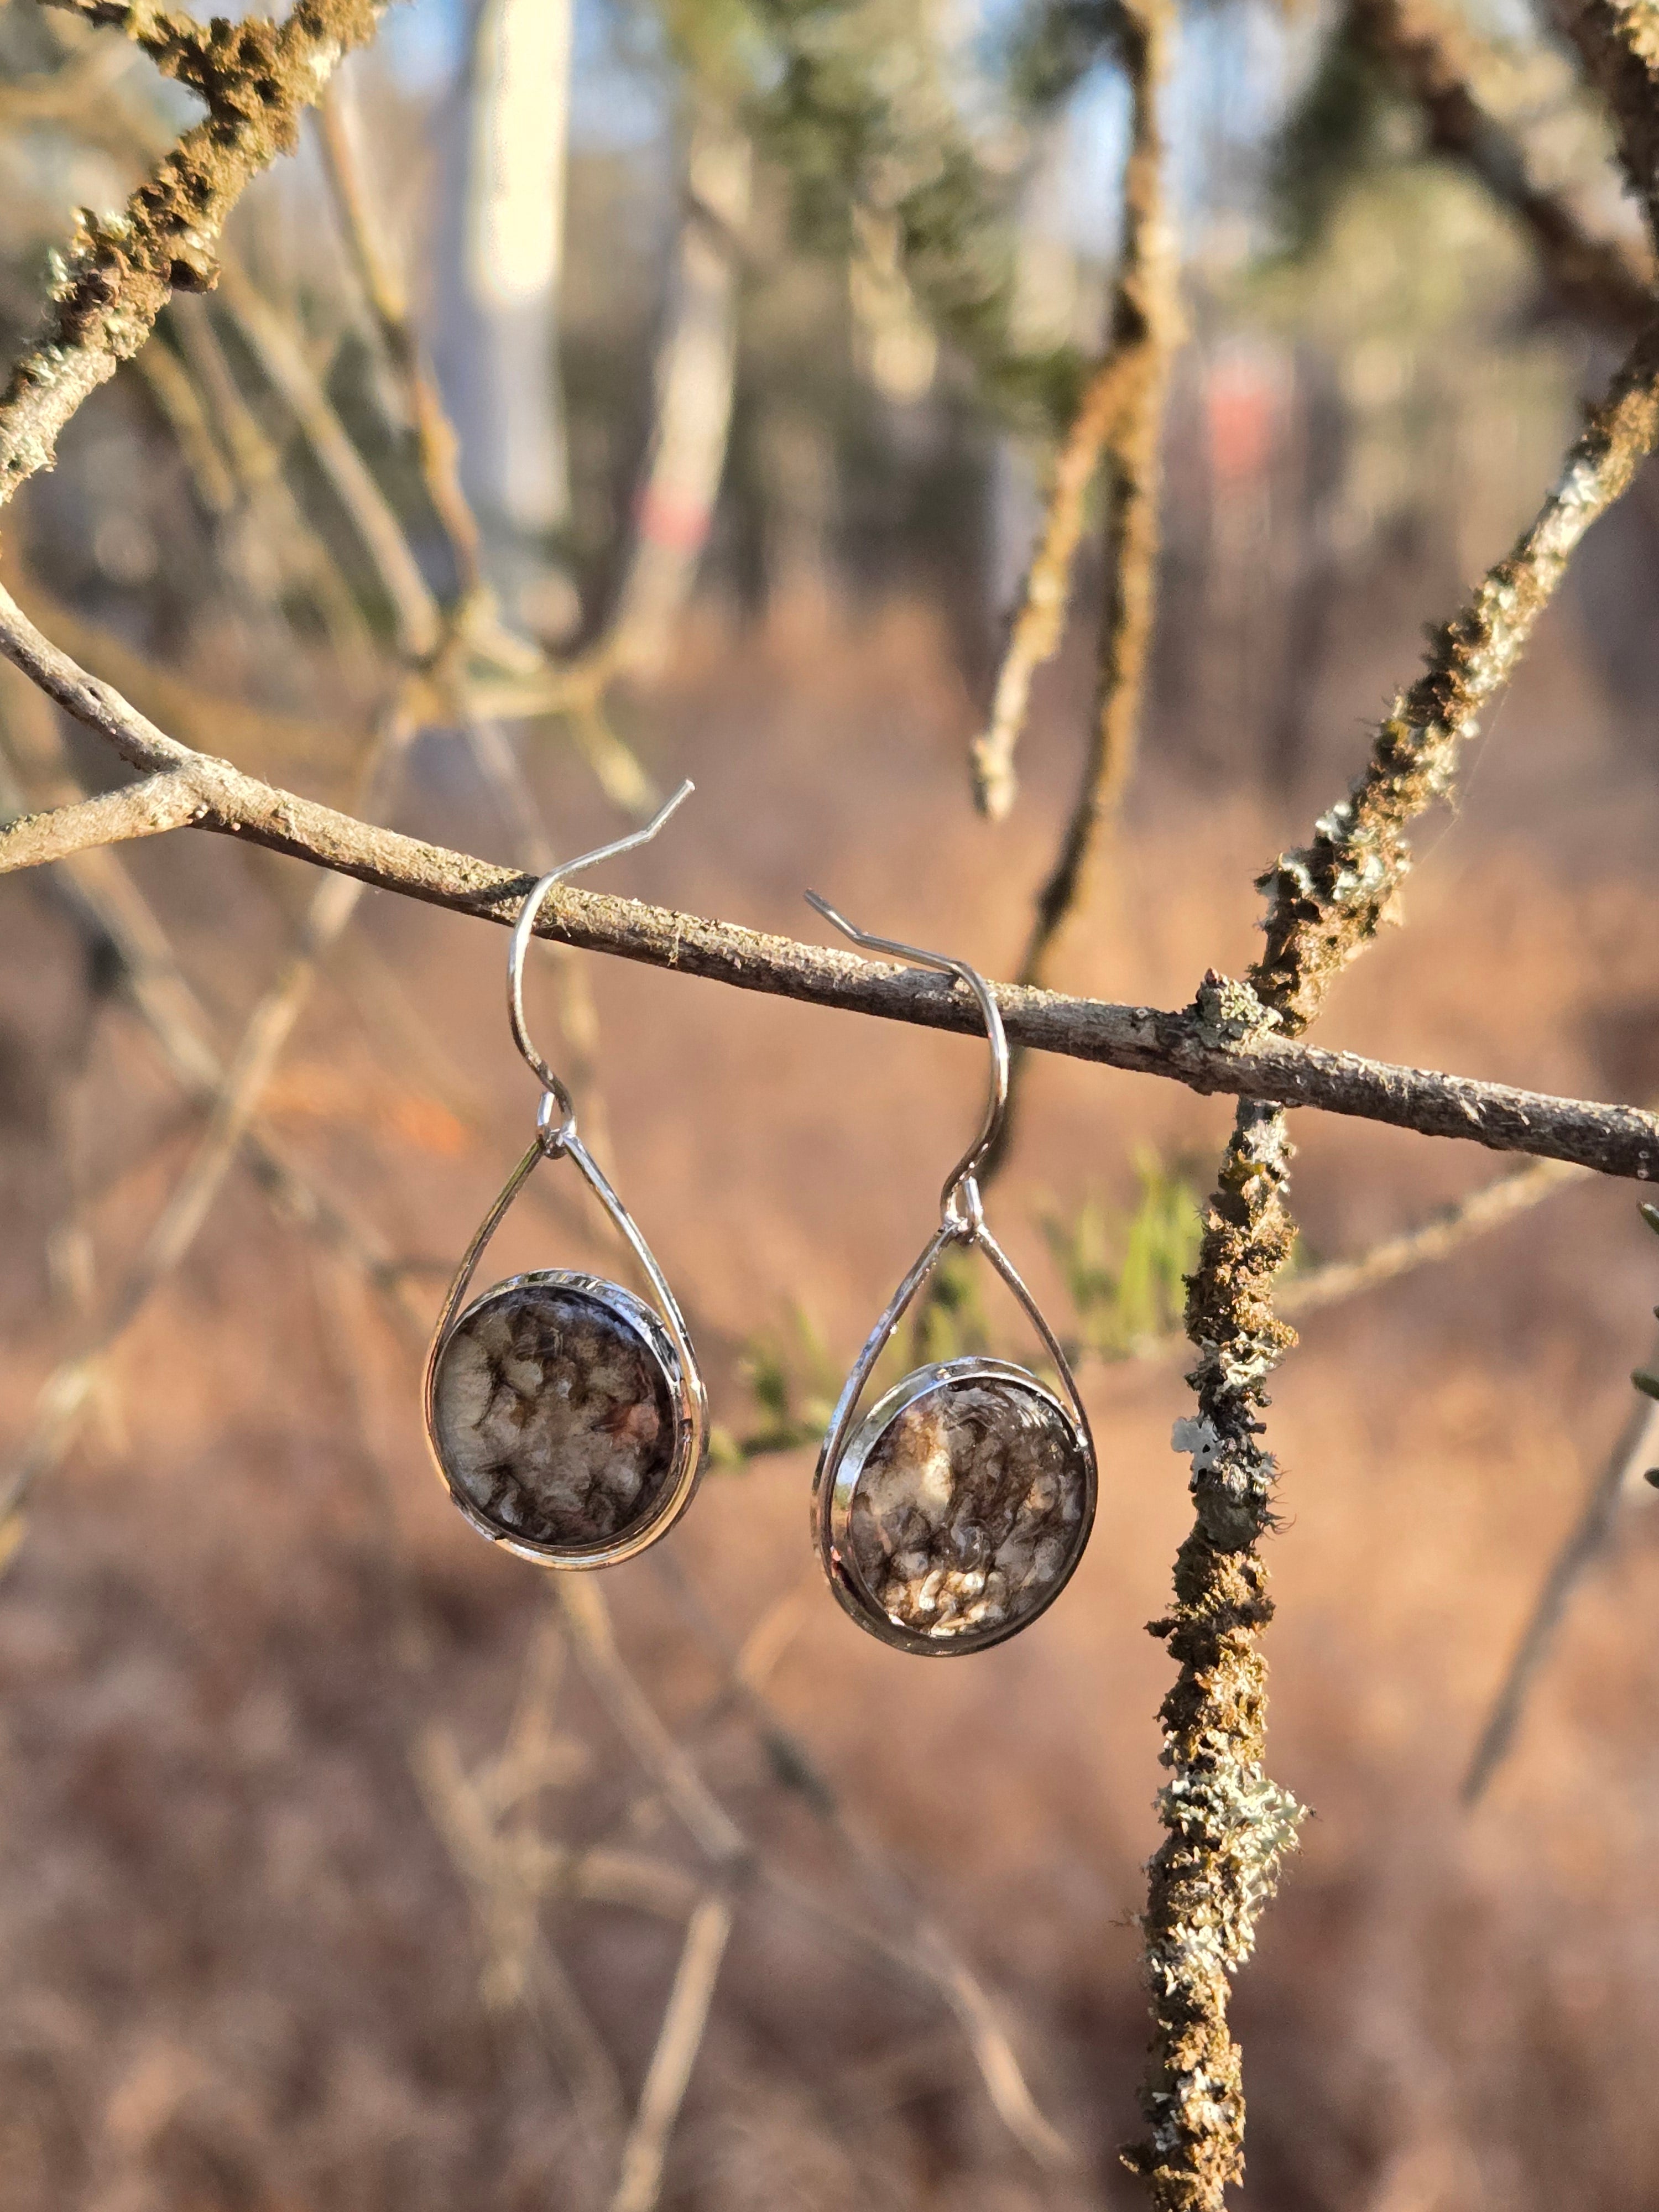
(255, 78)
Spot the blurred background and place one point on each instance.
(346, 1864)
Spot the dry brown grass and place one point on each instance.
(241, 1969)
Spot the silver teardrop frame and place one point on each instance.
(658, 1340)
(659, 1337)
(946, 1607)
(845, 1462)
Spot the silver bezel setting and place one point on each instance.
(685, 1399)
(836, 1487)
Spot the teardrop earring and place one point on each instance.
(954, 1513)
(566, 1415)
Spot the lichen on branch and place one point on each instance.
(1227, 1825)
(1328, 901)
(256, 78)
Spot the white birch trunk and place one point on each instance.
(696, 363)
(497, 348)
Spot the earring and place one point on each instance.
(955, 1510)
(567, 1417)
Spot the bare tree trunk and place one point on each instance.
(696, 364)
(497, 347)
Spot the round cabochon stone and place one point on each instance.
(554, 1415)
(969, 1508)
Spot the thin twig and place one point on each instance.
(1040, 620)
(113, 912)
(282, 363)
(925, 1954)
(1120, 421)
(1489, 1208)
(1144, 328)
(63, 1397)
(268, 535)
(179, 405)
(422, 632)
(435, 446)
(678, 2041)
(309, 746)
(1586, 1541)
(928, 1950)
(437, 456)
(587, 1617)
(1126, 402)
(508, 1871)
(1316, 1289)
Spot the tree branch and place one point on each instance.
(1490, 1207)
(1123, 414)
(1619, 40)
(256, 78)
(1586, 1542)
(1120, 419)
(161, 802)
(435, 446)
(1328, 901)
(1187, 1046)
(1228, 1824)
(639, 2182)
(1598, 278)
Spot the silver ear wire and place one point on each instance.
(959, 1201)
(523, 928)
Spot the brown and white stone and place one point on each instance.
(967, 1511)
(554, 1417)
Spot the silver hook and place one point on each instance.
(959, 1202)
(554, 1140)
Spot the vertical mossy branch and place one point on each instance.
(1120, 419)
(1227, 1825)
(256, 78)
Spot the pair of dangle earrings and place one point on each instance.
(569, 1420)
